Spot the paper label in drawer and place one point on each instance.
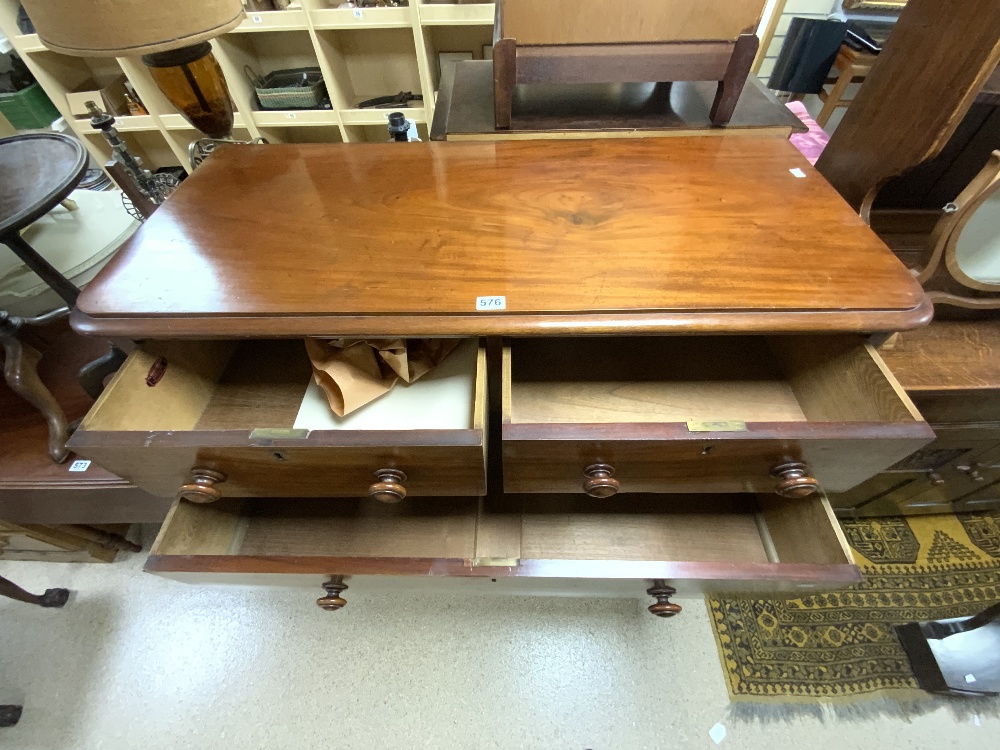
(729, 425)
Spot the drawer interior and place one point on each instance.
(700, 379)
(247, 385)
(458, 535)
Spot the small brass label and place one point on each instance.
(495, 562)
(728, 425)
(277, 433)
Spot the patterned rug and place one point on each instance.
(837, 652)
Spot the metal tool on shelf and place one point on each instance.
(144, 189)
(395, 100)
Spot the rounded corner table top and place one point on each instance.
(729, 234)
(37, 171)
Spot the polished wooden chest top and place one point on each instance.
(654, 235)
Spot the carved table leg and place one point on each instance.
(51, 598)
(21, 373)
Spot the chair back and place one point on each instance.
(549, 22)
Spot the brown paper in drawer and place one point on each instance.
(354, 373)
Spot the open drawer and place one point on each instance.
(528, 544)
(212, 419)
(701, 414)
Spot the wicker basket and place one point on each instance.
(284, 89)
(29, 108)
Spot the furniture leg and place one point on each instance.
(731, 86)
(51, 597)
(29, 256)
(21, 373)
(835, 95)
(10, 715)
(92, 375)
(504, 81)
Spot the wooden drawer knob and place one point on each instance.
(389, 487)
(794, 480)
(333, 599)
(202, 487)
(663, 606)
(600, 481)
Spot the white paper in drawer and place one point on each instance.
(443, 399)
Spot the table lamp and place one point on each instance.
(172, 38)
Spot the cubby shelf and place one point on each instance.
(275, 20)
(363, 53)
(362, 18)
(441, 14)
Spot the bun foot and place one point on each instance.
(54, 598)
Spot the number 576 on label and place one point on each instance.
(484, 304)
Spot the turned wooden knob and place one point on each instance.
(795, 480)
(600, 481)
(389, 487)
(333, 600)
(663, 606)
(202, 487)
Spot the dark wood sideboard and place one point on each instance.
(951, 370)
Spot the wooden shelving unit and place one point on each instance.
(363, 53)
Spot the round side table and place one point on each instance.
(37, 172)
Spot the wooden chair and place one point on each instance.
(963, 266)
(624, 41)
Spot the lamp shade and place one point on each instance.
(120, 28)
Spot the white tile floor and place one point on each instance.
(134, 661)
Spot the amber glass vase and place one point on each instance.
(192, 80)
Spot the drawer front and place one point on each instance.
(244, 419)
(701, 414)
(986, 497)
(692, 465)
(539, 544)
(278, 471)
(896, 485)
(960, 461)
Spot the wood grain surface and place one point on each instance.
(948, 355)
(662, 235)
